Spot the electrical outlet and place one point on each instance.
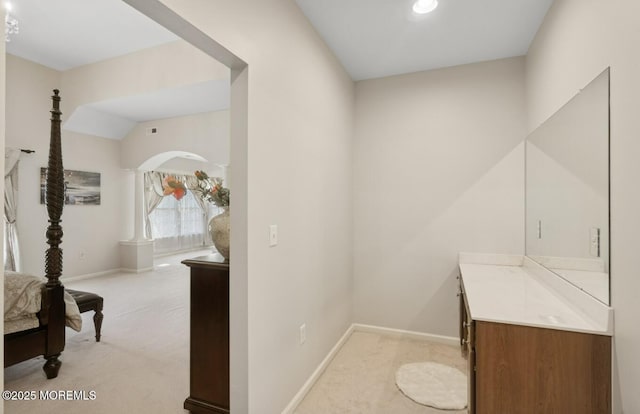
(273, 235)
(303, 333)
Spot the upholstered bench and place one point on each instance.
(89, 301)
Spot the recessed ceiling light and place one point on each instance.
(8, 6)
(424, 6)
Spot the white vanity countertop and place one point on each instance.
(514, 294)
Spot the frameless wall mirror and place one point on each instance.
(567, 191)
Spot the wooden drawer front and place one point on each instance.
(529, 370)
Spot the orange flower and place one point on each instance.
(178, 193)
(170, 185)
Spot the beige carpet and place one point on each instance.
(140, 365)
(361, 378)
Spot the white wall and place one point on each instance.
(577, 41)
(29, 87)
(438, 169)
(300, 117)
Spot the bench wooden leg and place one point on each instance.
(87, 301)
(97, 323)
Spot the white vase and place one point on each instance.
(219, 228)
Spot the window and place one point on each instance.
(178, 225)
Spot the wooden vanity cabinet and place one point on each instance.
(517, 369)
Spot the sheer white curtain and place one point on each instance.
(192, 182)
(11, 246)
(153, 195)
(175, 224)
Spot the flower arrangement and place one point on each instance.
(171, 186)
(211, 189)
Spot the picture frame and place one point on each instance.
(81, 187)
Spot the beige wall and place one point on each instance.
(438, 169)
(445, 144)
(577, 41)
(205, 134)
(29, 87)
(165, 66)
(300, 106)
(161, 67)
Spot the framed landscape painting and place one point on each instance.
(81, 187)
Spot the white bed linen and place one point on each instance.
(23, 298)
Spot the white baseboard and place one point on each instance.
(175, 252)
(104, 273)
(297, 399)
(88, 275)
(358, 327)
(447, 340)
(145, 269)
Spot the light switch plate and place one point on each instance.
(303, 333)
(273, 235)
(594, 241)
(539, 229)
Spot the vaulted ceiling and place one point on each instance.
(66, 34)
(372, 38)
(376, 38)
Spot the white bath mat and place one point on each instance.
(433, 384)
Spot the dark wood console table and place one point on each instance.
(209, 366)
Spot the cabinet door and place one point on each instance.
(524, 370)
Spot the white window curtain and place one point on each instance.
(175, 224)
(209, 209)
(11, 245)
(153, 195)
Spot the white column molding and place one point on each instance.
(139, 221)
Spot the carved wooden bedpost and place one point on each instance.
(54, 197)
(53, 291)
